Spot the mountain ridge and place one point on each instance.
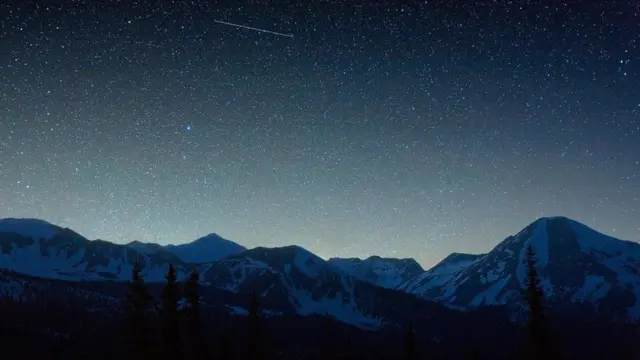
(577, 265)
(205, 249)
(385, 272)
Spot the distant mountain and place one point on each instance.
(307, 282)
(579, 267)
(146, 248)
(587, 276)
(455, 262)
(205, 249)
(295, 280)
(439, 274)
(38, 248)
(384, 272)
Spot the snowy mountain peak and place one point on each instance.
(308, 283)
(576, 263)
(385, 272)
(440, 274)
(454, 262)
(40, 249)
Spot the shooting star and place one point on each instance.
(252, 28)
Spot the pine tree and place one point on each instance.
(194, 316)
(171, 315)
(410, 343)
(138, 304)
(256, 343)
(537, 320)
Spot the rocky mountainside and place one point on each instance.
(38, 248)
(438, 275)
(581, 270)
(308, 283)
(292, 279)
(384, 272)
(577, 264)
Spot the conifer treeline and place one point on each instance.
(180, 313)
(183, 337)
(537, 326)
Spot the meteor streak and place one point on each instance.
(252, 28)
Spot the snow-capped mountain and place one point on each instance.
(206, 249)
(580, 269)
(384, 272)
(439, 274)
(577, 264)
(38, 248)
(308, 283)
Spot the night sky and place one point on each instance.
(411, 130)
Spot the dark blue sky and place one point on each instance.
(412, 129)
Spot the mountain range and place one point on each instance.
(582, 271)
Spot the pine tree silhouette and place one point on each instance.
(256, 342)
(193, 314)
(539, 339)
(410, 343)
(138, 304)
(171, 316)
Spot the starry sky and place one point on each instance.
(411, 129)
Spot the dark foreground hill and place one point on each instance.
(84, 320)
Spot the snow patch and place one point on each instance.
(594, 289)
(345, 312)
(494, 274)
(539, 241)
(237, 310)
(243, 267)
(622, 257)
(490, 295)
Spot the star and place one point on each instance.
(378, 139)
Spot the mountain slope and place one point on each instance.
(89, 315)
(206, 249)
(384, 272)
(46, 306)
(307, 281)
(577, 264)
(440, 274)
(38, 248)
